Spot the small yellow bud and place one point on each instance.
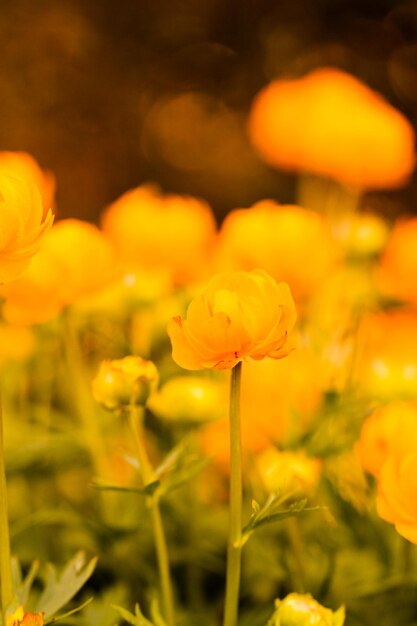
(122, 382)
(291, 474)
(303, 610)
(190, 399)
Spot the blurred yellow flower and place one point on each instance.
(21, 618)
(362, 234)
(291, 243)
(58, 276)
(122, 382)
(386, 366)
(302, 610)
(22, 165)
(331, 124)
(23, 225)
(16, 343)
(397, 493)
(156, 232)
(397, 271)
(239, 315)
(389, 429)
(289, 474)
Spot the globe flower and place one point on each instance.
(302, 610)
(23, 166)
(386, 367)
(290, 474)
(292, 244)
(167, 233)
(390, 429)
(22, 618)
(329, 123)
(397, 270)
(239, 315)
(23, 225)
(124, 382)
(397, 493)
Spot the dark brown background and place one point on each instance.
(111, 94)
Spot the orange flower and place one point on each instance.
(397, 493)
(331, 124)
(291, 243)
(57, 276)
(397, 273)
(387, 362)
(21, 618)
(391, 428)
(22, 165)
(22, 226)
(239, 315)
(156, 232)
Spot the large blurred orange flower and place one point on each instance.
(397, 272)
(22, 165)
(76, 260)
(291, 243)
(239, 315)
(397, 493)
(389, 429)
(23, 225)
(156, 232)
(331, 124)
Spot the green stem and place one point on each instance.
(6, 581)
(234, 548)
(148, 476)
(297, 552)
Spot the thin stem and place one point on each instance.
(234, 548)
(148, 476)
(6, 581)
(297, 552)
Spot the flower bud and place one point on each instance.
(122, 382)
(190, 399)
(303, 610)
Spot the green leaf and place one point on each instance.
(156, 614)
(148, 490)
(60, 589)
(68, 613)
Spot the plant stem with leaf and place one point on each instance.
(234, 547)
(148, 476)
(6, 581)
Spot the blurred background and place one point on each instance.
(109, 95)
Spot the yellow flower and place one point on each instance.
(291, 243)
(21, 618)
(302, 610)
(122, 382)
(391, 429)
(331, 124)
(239, 315)
(22, 165)
(23, 225)
(290, 474)
(397, 270)
(152, 231)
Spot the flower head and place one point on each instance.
(123, 382)
(302, 610)
(23, 225)
(331, 124)
(22, 618)
(239, 315)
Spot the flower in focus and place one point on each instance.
(155, 232)
(239, 315)
(22, 165)
(291, 243)
(302, 610)
(290, 474)
(23, 226)
(58, 277)
(22, 618)
(389, 429)
(386, 367)
(190, 399)
(123, 382)
(397, 271)
(397, 493)
(331, 124)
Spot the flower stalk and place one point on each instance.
(6, 581)
(148, 476)
(234, 547)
